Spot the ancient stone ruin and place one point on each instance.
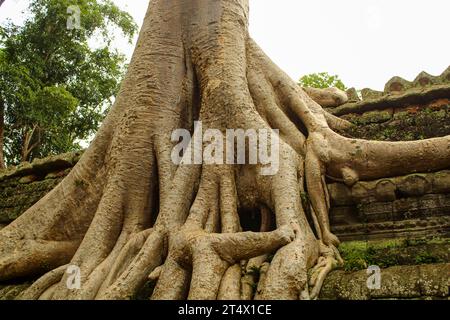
(400, 224)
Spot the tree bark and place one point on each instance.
(126, 213)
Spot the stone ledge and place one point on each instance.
(411, 122)
(41, 167)
(399, 282)
(390, 189)
(414, 96)
(415, 228)
(397, 92)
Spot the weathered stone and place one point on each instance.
(358, 255)
(340, 285)
(419, 122)
(55, 163)
(396, 85)
(344, 216)
(350, 226)
(441, 182)
(399, 93)
(42, 166)
(340, 194)
(28, 179)
(414, 185)
(360, 193)
(406, 208)
(435, 280)
(58, 174)
(424, 79)
(377, 209)
(399, 282)
(369, 94)
(385, 191)
(445, 76)
(375, 117)
(22, 169)
(353, 95)
(14, 200)
(376, 212)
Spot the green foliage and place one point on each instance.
(55, 86)
(426, 257)
(359, 255)
(321, 80)
(355, 255)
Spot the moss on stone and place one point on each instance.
(428, 282)
(40, 167)
(404, 125)
(359, 255)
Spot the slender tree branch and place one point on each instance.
(26, 149)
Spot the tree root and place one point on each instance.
(39, 287)
(329, 260)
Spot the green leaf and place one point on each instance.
(52, 78)
(322, 80)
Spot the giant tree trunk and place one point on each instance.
(126, 213)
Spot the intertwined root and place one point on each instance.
(329, 260)
(196, 248)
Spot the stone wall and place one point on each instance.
(409, 269)
(397, 93)
(410, 206)
(418, 282)
(403, 111)
(23, 186)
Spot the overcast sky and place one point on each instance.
(365, 42)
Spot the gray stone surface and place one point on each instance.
(399, 282)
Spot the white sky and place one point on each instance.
(365, 42)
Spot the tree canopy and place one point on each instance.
(55, 86)
(322, 80)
